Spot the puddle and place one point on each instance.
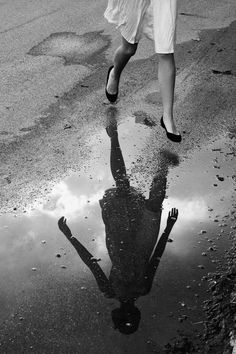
(49, 297)
(75, 49)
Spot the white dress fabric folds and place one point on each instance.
(154, 18)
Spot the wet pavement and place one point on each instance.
(111, 172)
(50, 299)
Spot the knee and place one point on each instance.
(166, 57)
(130, 49)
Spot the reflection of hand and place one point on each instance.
(172, 217)
(63, 227)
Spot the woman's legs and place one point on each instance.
(121, 58)
(166, 77)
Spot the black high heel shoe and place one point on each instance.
(111, 97)
(173, 137)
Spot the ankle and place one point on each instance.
(114, 75)
(168, 116)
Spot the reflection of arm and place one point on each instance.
(159, 250)
(88, 259)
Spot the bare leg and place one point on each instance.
(157, 191)
(158, 186)
(117, 163)
(166, 76)
(122, 56)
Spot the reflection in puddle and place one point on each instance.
(47, 289)
(132, 226)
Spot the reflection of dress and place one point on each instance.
(131, 234)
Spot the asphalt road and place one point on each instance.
(54, 57)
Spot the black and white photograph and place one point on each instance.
(117, 176)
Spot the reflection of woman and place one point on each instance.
(132, 225)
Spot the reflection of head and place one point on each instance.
(126, 318)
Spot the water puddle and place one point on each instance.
(50, 299)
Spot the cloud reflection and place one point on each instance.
(64, 201)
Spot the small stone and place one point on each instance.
(169, 240)
(33, 269)
(204, 254)
(43, 241)
(201, 266)
(203, 232)
(83, 288)
(220, 178)
(63, 266)
(67, 126)
(188, 287)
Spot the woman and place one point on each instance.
(157, 20)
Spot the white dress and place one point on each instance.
(154, 18)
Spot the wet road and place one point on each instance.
(61, 159)
(51, 301)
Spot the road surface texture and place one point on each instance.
(56, 129)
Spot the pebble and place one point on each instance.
(201, 266)
(204, 254)
(220, 178)
(63, 266)
(211, 249)
(34, 269)
(43, 241)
